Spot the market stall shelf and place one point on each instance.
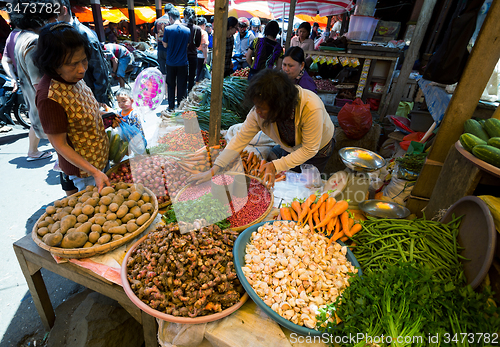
(96, 249)
(476, 161)
(161, 315)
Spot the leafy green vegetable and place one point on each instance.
(406, 300)
(206, 205)
(412, 162)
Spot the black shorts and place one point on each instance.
(66, 184)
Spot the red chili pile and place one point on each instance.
(195, 192)
(258, 202)
(222, 180)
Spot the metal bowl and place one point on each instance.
(360, 159)
(384, 209)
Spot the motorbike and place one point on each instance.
(142, 60)
(12, 103)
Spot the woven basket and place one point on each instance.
(243, 227)
(115, 168)
(96, 249)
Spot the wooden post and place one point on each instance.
(96, 12)
(220, 33)
(482, 61)
(131, 18)
(291, 16)
(411, 55)
(159, 9)
(329, 23)
(497, 113)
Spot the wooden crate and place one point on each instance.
(410, 90)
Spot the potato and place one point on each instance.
(88, 244)
(100, 215)
(113, 207)
(92, 220)
(64, 202)
(88, 210)
(139, 188)
(57, 203)
(79, 204)
(140, 203)
(127, 217)
(59, 209)
(94, 236)
(68, 222)
(121, 185)
(72, 201)
(111, 216)
(84, 198)
(96, 227)
(92, 202)
(97, 209)
(89, 188)
(118, 199)
(130, 203)
(124, 192)
(100, 220)
(76, 239)
(82, 218)
(122, 211)
(107, 190)
(147, 207)
(49, 220)
(50, 210)
(105, 200)
(42, 231)
(117, 237)
(60, 215)
(119, 221)
(71, 229)
(135, 196)
(84, 228)
(104, 238)
(78, 224)
(52, 240)
(131, 226)
(111, 196)
(96, 195)
(143, 219)
(136, 211)
(103, 209)
(77, 211)
(108, 225)
(118, 230)
(68, 209)
(146, 197)
(53, 227)
(43, 224)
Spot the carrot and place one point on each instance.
(339, 208)
(330, 227)
(296, 207)
(215, 147)
(305, 207)
(355, 228)
(337, 226)
(262, 163)
(344, 238)
(281, 178)
(322, 211)
(351, 222)
(330, 202)
(293, 213)
(344, 220)
(321, 200)
(316, 217)
(285, 213)
(311, 225)
(250, 157)
(334, 238)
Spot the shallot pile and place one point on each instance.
(185, 275)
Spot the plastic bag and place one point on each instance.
(401, 123)
(398, 190)
(404, 108)
(416, 137)
(311, 175)
(355, 119)
(136, 141)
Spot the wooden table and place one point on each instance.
(33, 258)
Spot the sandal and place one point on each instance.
(43, 155)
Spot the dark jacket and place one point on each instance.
(97, 75)
(194, 39)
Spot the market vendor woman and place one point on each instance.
(295, 118)
(68, 110)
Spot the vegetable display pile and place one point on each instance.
(295, 271)
(386, 241)
(180, 141)
(482, 139)
(241, 72)
(118, 148)
(251, 165)
(257, 203)
(95, 219)
(412, 162)
(324, 214)
(406, 305)
(186, 275)
(325, 85)
(122, 174)
(228, 117)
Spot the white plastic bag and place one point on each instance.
(312, 176)
(398, 190)
(150, 123)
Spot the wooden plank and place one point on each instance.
(416, 205)
(482, 61)
(348, 55)
(291, 14)
(150, 330)
(95, 5)
(159, 10)
(220, 33)
(459, 177)
(411, 54)
(131, 17)
(496, 114)
(38, 291)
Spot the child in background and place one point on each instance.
(127, 113)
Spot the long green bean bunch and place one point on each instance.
(384, 242)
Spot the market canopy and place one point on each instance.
(311, 8)
(322, 21)
(143, 14)
(84, 14)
